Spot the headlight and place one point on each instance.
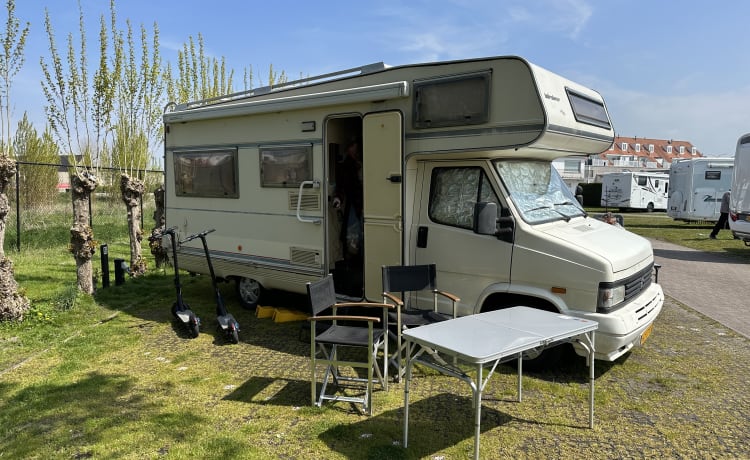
(609, 297)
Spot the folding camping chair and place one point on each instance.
(412, 279)
(330, 332)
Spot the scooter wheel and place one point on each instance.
(234, 333)
(194, 325)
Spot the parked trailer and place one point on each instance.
(696, 186)
(635, 190)
(739, 198)
(457, 171)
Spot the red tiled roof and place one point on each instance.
(661, 149)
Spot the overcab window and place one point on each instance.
(452, 101)
(206, 173)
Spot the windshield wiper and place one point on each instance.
(570, 203)
(565, 216)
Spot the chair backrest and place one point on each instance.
(407, 278)
(322, 294)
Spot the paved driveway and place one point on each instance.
(710, 283)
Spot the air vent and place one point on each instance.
(303, 256)
(310, 201)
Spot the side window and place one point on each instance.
(208, 173)
(455, 191)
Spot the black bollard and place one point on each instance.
(105, 265)
(119, 271)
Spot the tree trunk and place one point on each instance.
(160, 253)
(132, 191)
(82, 243)
(13, 305)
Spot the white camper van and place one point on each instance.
(696, 186)
(635, 190)
(456, 170)
(739, 198)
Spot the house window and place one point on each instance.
(637, 147)
(682, 150)
(206, 173)
(693, 150)
(624, 146)
(650, 148)
(452, 101)
(669, 149)
(572, 166)
(285, 166)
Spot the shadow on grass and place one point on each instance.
(97, 409)
(272, 391)
(435, 423)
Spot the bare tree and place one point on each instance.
(13, 305)
(73, 112)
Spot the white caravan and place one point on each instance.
(696, 186)
(456, 168)
(635, 190)
(739, 198)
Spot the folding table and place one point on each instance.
(487, 339)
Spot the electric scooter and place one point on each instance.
(181, 310)
(227, 323)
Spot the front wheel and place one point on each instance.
(249, 291)
(650, 207)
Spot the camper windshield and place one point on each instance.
(538, 191)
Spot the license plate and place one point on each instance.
(646, 333)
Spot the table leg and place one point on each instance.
(520, 376)
(591, 381)
(406, 393)
(478, 410)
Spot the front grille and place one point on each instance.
(638, 283)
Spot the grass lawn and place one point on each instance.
(112, 376)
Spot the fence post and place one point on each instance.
(18, 207)
(104, 251)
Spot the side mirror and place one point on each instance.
(487, 222)
(485, 218)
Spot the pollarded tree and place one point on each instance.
(13, 305)
(139, 103)
(79, 119)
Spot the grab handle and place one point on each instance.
(312, 184)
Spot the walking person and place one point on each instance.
(723, 216)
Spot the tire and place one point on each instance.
(650, 207)
(249, 292)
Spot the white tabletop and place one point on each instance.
(489, 336)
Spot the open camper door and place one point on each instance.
(382, 143)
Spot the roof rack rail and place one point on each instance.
(355, 71)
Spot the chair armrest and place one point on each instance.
(393, 299)
(448, 295)
(344, 318)
(365, 304)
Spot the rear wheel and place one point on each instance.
(650, 207)
(194, 325)
(249, 291)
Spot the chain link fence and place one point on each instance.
(41, 209)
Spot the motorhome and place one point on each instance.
(627, 190)
(456, 170)
(696, 186)
(739, 198)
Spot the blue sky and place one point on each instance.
(667, 69)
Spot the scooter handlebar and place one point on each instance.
(197, 235)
